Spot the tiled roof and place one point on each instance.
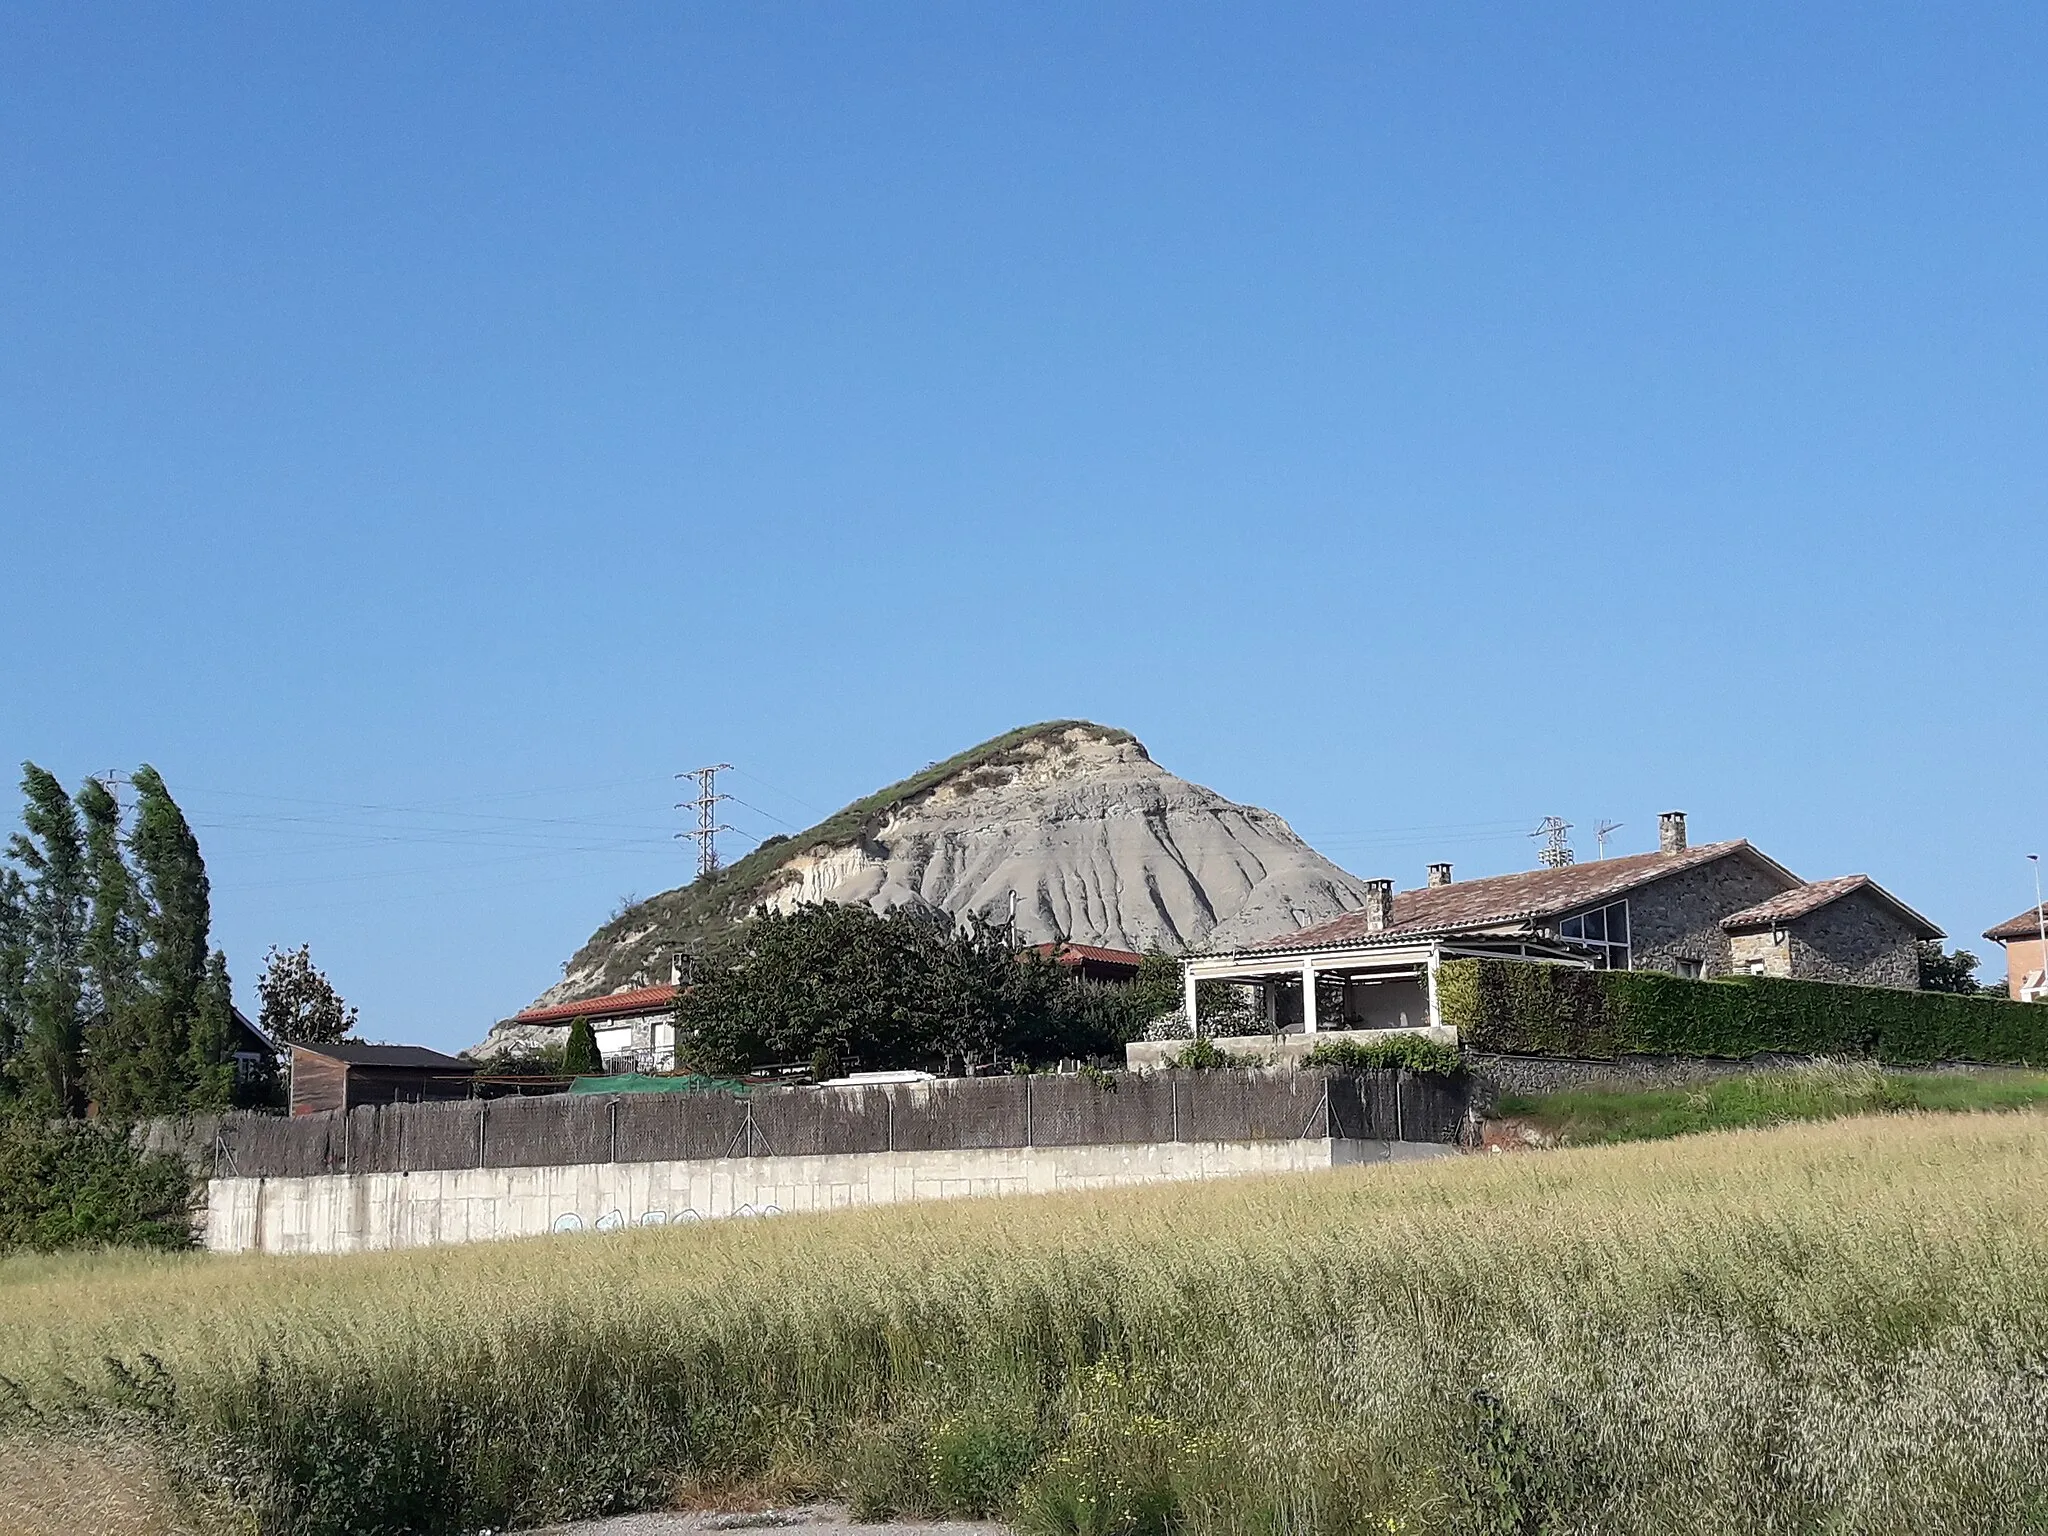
(357, 1053)
(1530, 896)
(615, 1005)
(2026, 926)
(1789, 906)
(1073, 954)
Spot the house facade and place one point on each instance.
(635, 1029)
(1851, 930)
(2026, 964)
(1698, 912)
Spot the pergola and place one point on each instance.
(1377, 983)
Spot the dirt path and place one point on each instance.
(804, 1520)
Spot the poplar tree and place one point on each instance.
(209, 1056)
(14, 953)
(175, 920)
(113, 954)
(51, 850)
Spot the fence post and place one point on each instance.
(1027, 1114)
(612, 1114)
(483, 1115)
(1400, 1124)
(1173, 1101)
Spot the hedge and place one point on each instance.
(1516, 1008)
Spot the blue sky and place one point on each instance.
(424, 430)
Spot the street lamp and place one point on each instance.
(2040, 925)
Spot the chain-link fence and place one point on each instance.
(1221, 1105)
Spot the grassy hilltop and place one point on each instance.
(1822, 1328)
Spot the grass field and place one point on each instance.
(1820, 1091)
(1836, 1328)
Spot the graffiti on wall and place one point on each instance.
(615, 1221)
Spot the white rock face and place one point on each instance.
(1100, 844)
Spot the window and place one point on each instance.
(1691, 968)
(1605, 931)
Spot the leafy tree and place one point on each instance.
(299, 1002)
(209, 1052)
(841, 985)
(1943, 972)
(580, 1056)
(51, 849)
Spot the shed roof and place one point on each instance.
(1790, 906)
(1530, 896)
(1074, 954)
(359, 1053)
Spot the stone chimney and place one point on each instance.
(1379, 905)
(1439, 874)
(1671, 832)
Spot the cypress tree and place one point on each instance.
(580, 1055)
(209, 1060)
(52, 851)
(176, 916)
(113, 956)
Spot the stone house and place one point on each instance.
(2026, 963)
(635, 1028)
(1848, 929)
(1664, 911)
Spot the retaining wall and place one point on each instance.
(346, 1213)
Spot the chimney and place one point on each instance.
(1671, 832)
(1439, 874)
(1379, 905)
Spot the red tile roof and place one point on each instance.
(616, 1005)
(2026, 926)
(1531, 896)
(1074, 954)
(1796, 903)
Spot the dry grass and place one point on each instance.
(1838, 1327)
(83, 1488)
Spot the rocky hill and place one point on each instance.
(1098, 842)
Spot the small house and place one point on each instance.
(1848, 929)
(2026, 959)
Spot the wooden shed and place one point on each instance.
(344, 1075)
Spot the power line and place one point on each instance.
(1556, 852)
(706, 806)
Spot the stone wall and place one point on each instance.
(1856, 938)
(1494, 1075)
(1679, 917)
(346, 1213)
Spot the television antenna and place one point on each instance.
(1601, 833)
(1556, 852)
(706, 807)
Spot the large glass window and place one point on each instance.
(1605, 931)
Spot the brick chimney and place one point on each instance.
(1671, 832)
(1439, 874)
(1379, 905)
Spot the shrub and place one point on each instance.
(1417, 1053)
(1202, 1055)
(74, 1183)
(1548, 1010)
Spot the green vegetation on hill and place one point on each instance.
(696, 912)
(1549, 1010)
(1821, 1091)
(1832, 1328)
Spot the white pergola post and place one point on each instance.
(1308, 997)
(1189, 1003)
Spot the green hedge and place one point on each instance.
(1544, 1010)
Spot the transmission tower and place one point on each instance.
(1601, 833)
(706, 807)
(1556, 851)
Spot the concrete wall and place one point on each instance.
(346, 1213)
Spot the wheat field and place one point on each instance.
(1836, 1328)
